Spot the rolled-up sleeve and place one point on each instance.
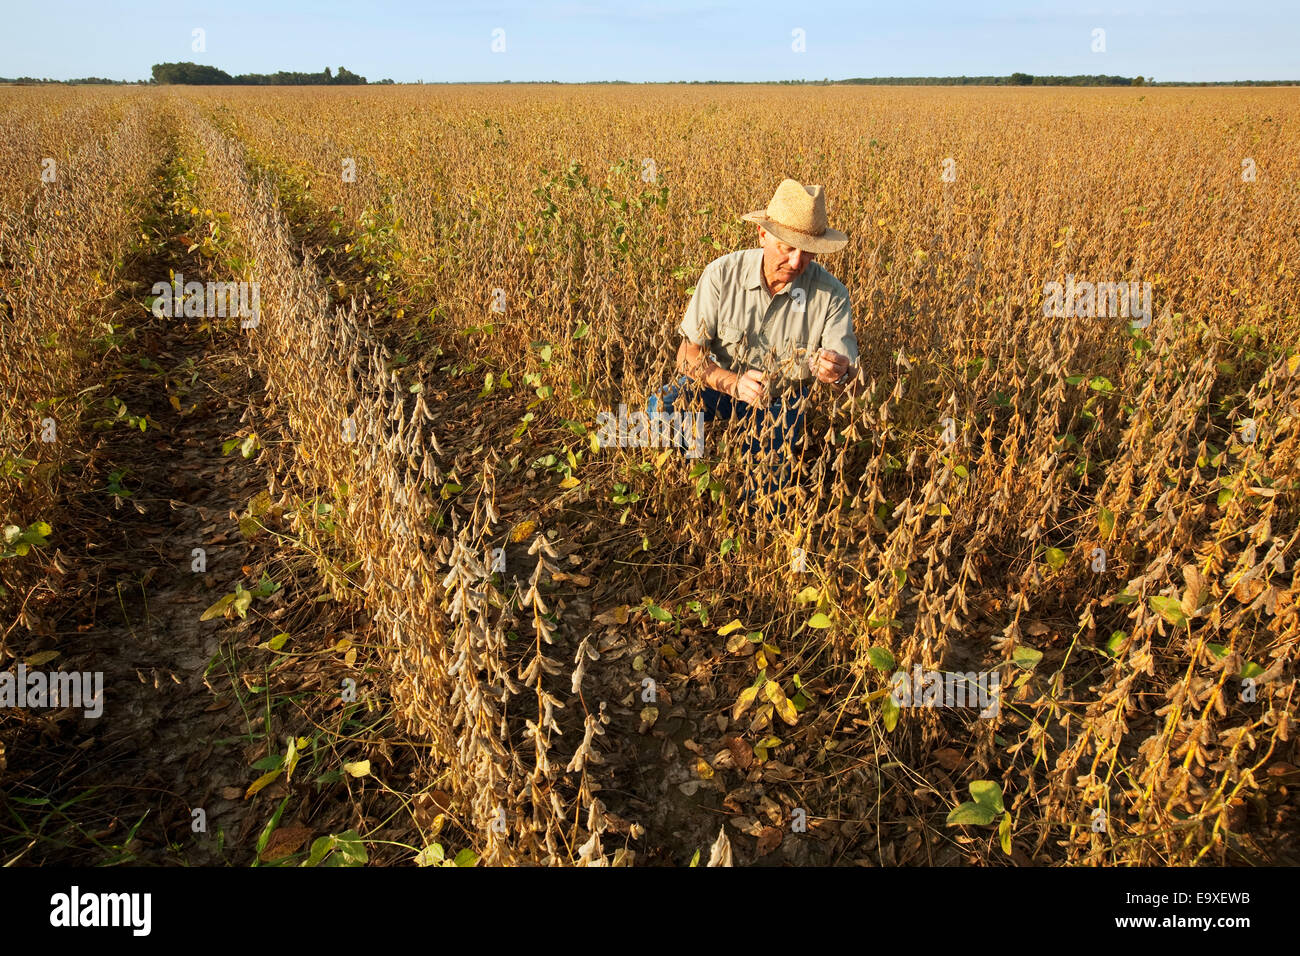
(838, 332)
(700, 324)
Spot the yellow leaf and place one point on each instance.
(663, 457)
(359, 769)
(261, 782)
(291, 758)
(44, 657)
(773, 692)
(743, 702)
(703, 769)
(219, 608)
(570, 482)
(522, 531)
(343, 644)
(175, 402)
(728, 628)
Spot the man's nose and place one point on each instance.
(797, 258)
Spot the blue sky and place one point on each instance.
(657, 40)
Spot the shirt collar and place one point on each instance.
(754, 270)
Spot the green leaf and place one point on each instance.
(819, 620)
(1004, 833)
(466, 857)
(1105, 522)
(727, 545)
(1250, 669)
(1218, 650)
(658, 613)
(880, 658)
(1171, 609)
(1073, 379)
(431, 855)
(987, 793)
(1055, 558)
(1100, 383)
(971, 813)
(1124, 597)
(272, 824)
(319, 847)
(350, 847)
(265, 587)
(889, 710)
(1117, 639)
(1026, 657)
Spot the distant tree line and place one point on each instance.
(199, 74)
(1015, 79)
(1028, 79)
(92, 80)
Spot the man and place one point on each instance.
(764, 324)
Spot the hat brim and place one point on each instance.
(832, 240)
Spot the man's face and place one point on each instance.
(782, 264)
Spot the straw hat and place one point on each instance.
(797, 216)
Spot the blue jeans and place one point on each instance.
(776, 428)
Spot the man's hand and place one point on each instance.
(693, 361)
(829, 365)
(752, 388)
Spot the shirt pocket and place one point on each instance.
(731, 342)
